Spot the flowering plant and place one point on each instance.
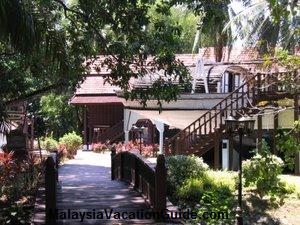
(146, 150)
(100, 147)
(62, 150)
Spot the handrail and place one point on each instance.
(214, 119)
(134, 169)
(113, 132)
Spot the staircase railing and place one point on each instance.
(113, 133)
(205, 127)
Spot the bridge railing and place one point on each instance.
(148, 179)
(51, 180)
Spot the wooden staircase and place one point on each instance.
(114, 133)
(206, 132)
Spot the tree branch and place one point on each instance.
(37, 92)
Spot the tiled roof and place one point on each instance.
(95, 85)
(234, 54)
(95, 99)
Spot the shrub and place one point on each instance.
(99, 147)
(19, 178)
(288, 143)
(72, 142)
(49, 144)
(7, 163)
(181, 168)
(228, 178)
(262, 171)
(212, 192)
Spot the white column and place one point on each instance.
(160, 127)
(126, 124)
(126, 136)
(2, 139)
(130, 118)
(225, 154)
(161, 142)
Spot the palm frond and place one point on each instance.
(255, 8)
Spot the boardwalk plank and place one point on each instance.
(85, 185)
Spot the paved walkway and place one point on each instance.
(86, 187)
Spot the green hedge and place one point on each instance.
(49, 144)
(181, 168)
(72, 142)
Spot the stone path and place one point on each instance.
(86, 187)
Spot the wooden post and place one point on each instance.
(136, 173)
(274, 134)
(259, 132)
(259, 85)
(32, 134)
(85, 127)
(217, 151)
(113, 154)
(121, 166)
(231, 143)
(160, 184)
(56, 163)
(296, 117)
(177, 146)
(50, 191)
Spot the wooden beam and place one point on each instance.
(259, 132)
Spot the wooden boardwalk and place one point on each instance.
(85, 186)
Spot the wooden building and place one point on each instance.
(102, 109)
(18, 135)
(194, 124)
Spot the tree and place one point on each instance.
(16, 25)
(184, 19)
(59, 117)
(288, 144)
(268, 23)
(214, 16)
(69, 37)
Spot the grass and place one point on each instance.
(292, 181)
(224, 177)
(261, 211)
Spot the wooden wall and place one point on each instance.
(105, 114)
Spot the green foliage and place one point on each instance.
(213, 17)
(292, 184)
(67, 35)
(181, 168)
(72, 142)
(19, 180)
(288, 143)
(182, 18)
(49, 144)
(14, 17)
(262, 171)
(59, 117)
(212, 192)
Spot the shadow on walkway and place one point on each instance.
(86, 187)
